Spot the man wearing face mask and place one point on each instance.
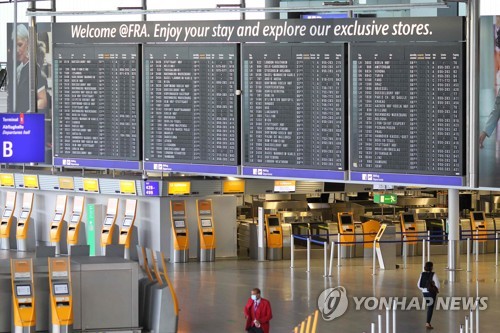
(258, 313)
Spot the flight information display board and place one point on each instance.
(96, 106)
(407, 119)
(191, 108)
(294, 110)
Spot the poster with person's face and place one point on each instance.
(18, 100)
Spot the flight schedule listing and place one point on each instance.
(407, 108)
(191, 109)
(294, 107)
(96, 102)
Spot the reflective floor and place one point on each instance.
(212, 295)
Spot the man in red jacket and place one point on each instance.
(258, 313)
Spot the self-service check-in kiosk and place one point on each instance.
(180, 232)
(25, 232)
(61, 296)
(128, 237)
(7, 235)
(23, 295)
(109, 232)
(478, 223)
(274, 237)
(75, 236)
(409, 229)
(57, 235)
(346, 230)
(206, 240)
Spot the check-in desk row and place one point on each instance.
(480, 227)
(98, 293)
(19, 233)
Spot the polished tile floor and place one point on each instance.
(212, 295)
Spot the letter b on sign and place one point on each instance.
(7, 150)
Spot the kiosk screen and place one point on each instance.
(61, 289)
(108, 221)
(57, 217)
(273, 222)
(24, 214)
(127, 222)
(478, 216)
(7, 212)
(408, 218)
(346, 219)
(75, 218)
(206, 223)
(23, 290)
(180, 224)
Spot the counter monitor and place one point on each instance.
(127, 222)
(408, 218)
(180, 223)
(273, 221)
(478, 216)
(57, 217)
(75, 218)
(61, 289)
(24, 214)
(346, 219)
(206, 223)
(23, 290)
(7, 212)
(108, 221)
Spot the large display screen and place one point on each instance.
(191, 109)
(96, 102)
(294, 106)
(407, 112)
(23, 290)
(61, 289)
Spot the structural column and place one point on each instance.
(453, 233)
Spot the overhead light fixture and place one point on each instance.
(337, 3)
(230, 9)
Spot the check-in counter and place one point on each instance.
(105, 293)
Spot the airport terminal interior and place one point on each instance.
(161, 161)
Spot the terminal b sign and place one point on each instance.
(387, 199)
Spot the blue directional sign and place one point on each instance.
(22, 138)
(152, 189)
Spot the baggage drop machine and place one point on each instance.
(7, 234)
(206, 227)
(25, 231)
(180, 233)
(347, 236)
(23, 295)
(274, 235)
(61, 295)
